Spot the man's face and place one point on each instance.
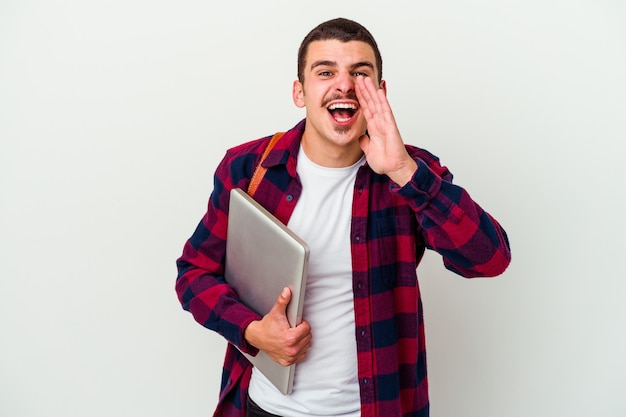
(333, 115)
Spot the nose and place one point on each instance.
(345, 82)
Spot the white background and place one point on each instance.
(113, 116)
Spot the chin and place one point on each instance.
(350, 129)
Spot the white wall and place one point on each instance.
(113, 116)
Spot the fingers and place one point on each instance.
(365, 97)
(375, 107)
(296, 344)
(273, 334)
(371, 98)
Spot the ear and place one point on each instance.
(297, 94)
(383, 86)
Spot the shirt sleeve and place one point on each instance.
(471, 242)
(200, 283)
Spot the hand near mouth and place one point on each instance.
(384, 148)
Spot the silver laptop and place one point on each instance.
(262, 257)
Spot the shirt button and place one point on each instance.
(289, 198)
(357, 238)
(362, 333)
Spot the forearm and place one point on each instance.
(212, 302)
(200, 283)
(471, 242)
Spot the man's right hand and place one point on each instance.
(273, 335)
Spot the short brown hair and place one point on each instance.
(343, 30)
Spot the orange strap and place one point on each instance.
(260, 170)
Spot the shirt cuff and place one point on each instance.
(423, 186)
(246, 347)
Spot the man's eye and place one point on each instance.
(326, 73)
(359, 74)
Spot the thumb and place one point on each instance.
(364, 142)
(282, 300)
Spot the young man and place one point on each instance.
(368, 205)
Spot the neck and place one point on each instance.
(331, 155)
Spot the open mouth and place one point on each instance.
(342, 112)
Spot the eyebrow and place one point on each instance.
(325, 63)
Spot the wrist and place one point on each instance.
(250, 334)
(404, 174)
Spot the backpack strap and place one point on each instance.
(260, 170)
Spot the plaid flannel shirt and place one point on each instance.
(391, 228)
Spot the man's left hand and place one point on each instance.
(383, 148)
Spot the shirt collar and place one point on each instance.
(285, 151)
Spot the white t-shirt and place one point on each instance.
(326, 382)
